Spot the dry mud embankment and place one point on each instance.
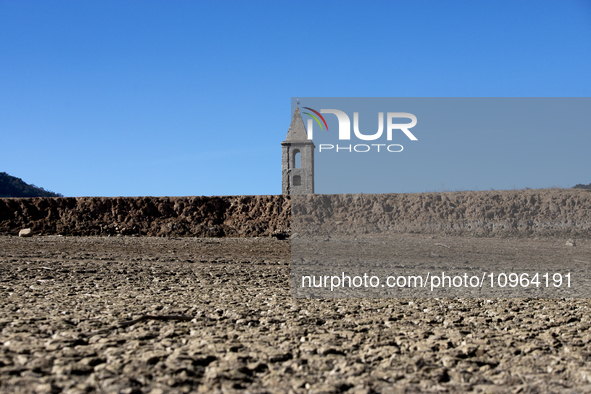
(548, 212)
(232, 216)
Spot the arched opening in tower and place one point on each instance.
(297, 159)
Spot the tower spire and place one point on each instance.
(297, 131)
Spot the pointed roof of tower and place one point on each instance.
(297, 131)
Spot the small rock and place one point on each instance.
(26, 232)
(44, 388)
(571, 242)
(585, 375)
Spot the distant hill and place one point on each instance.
(580, 186)
(11, 186)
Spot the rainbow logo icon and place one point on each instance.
(315, 118)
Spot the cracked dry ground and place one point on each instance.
(63, 299)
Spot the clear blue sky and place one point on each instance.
(129, 98)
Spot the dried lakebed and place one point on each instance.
(76, 316)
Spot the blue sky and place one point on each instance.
(129, 98)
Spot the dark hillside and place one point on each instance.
(11, 186)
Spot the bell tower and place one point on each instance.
(297, 162)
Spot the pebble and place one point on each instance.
(26, 232)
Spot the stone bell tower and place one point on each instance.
(297, 163)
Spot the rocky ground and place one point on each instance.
(79, 315)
